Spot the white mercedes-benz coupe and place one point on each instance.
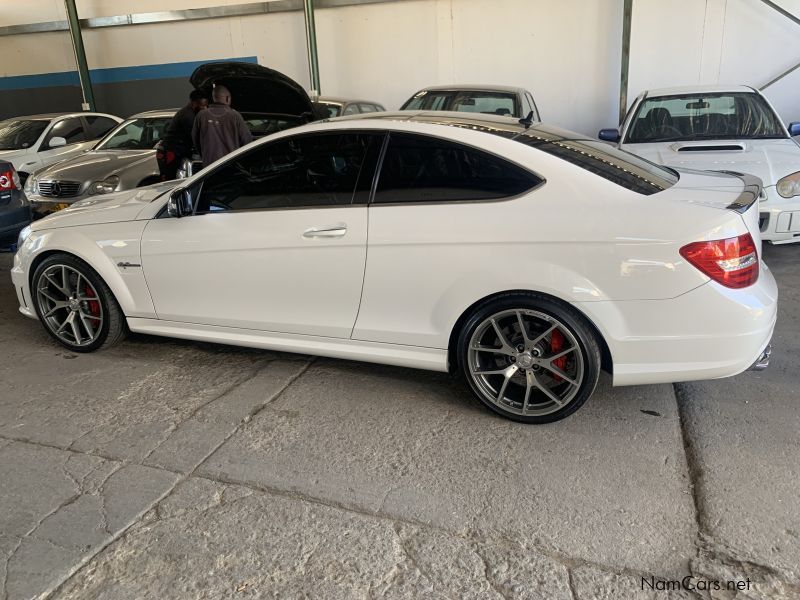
(523, 256)
(721, 128)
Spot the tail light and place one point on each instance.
(733, 262)
(9, 180)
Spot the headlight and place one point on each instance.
(789, 186)
(30, 185)
(23, 235)
(108, 185)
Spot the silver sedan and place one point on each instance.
(124, 159)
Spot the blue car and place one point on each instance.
(15, 210)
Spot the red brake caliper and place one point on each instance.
(557, 345)
(94, 305)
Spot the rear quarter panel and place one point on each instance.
(577, 237)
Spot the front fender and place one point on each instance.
(103, 247)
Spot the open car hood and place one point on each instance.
(254, 88)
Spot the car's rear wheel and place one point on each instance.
(75, 305)
(529, 358)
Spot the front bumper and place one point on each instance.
(779, 218)
(43, 206)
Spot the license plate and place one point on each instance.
(60, 206)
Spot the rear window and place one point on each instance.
(485, 102)
(623, 168)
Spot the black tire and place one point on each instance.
(570, 324)
(113, 328)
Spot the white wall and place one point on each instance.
(566, 52)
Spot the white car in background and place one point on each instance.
(33, 142)
(523, 256)
(721, 129)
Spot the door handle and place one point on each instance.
(331, 231)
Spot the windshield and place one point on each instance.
(704, 116)
(261, 124)
(16, 135)
(136, 134)
(490, 103)
(329, 110)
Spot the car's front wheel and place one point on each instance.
(529, 358)
(75, 305)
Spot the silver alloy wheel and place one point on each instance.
(69, 305)
(525, 362)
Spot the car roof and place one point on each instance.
(699, 89)
(344, 100)
(57, 115)
(508, 127)
(154, 114)
(479, 87)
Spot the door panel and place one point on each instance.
(260, 270)
(277, 242)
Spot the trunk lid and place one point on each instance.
(724, 190)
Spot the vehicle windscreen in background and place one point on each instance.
(16, 135)
(138, 134)
(489, 103)
(737, 115)
(261, 125)
(623, 168)
(329, 110)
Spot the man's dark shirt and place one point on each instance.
(178, 135)
(219, 130)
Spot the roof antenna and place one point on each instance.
(527, 121)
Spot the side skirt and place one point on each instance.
(429, 359)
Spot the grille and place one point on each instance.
(59, 189)
(763, 221)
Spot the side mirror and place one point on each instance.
(794, 128)
(609, 135)
(180, 203)
(57, 142)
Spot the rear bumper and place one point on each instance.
(707, 333)
(762, 362)
(12, 221)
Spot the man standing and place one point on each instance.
(219, 129)
(177, 141)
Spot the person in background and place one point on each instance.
(219, 130)
(176, 144)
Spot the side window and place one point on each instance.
(304, 171)
(70, 129)
(427, 169)
(367, 108)
(352, 109)
(98, 126)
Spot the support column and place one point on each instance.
(627, 13)
(311, 43)
(80, 55)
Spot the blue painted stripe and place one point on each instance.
(111, 75)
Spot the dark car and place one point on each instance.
(268, 100)
(15, 210)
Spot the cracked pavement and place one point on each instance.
(173, 469)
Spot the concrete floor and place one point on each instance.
(171, 469)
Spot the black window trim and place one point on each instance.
(198, 185)
(378, 170)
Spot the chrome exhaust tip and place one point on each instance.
(762, 362)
